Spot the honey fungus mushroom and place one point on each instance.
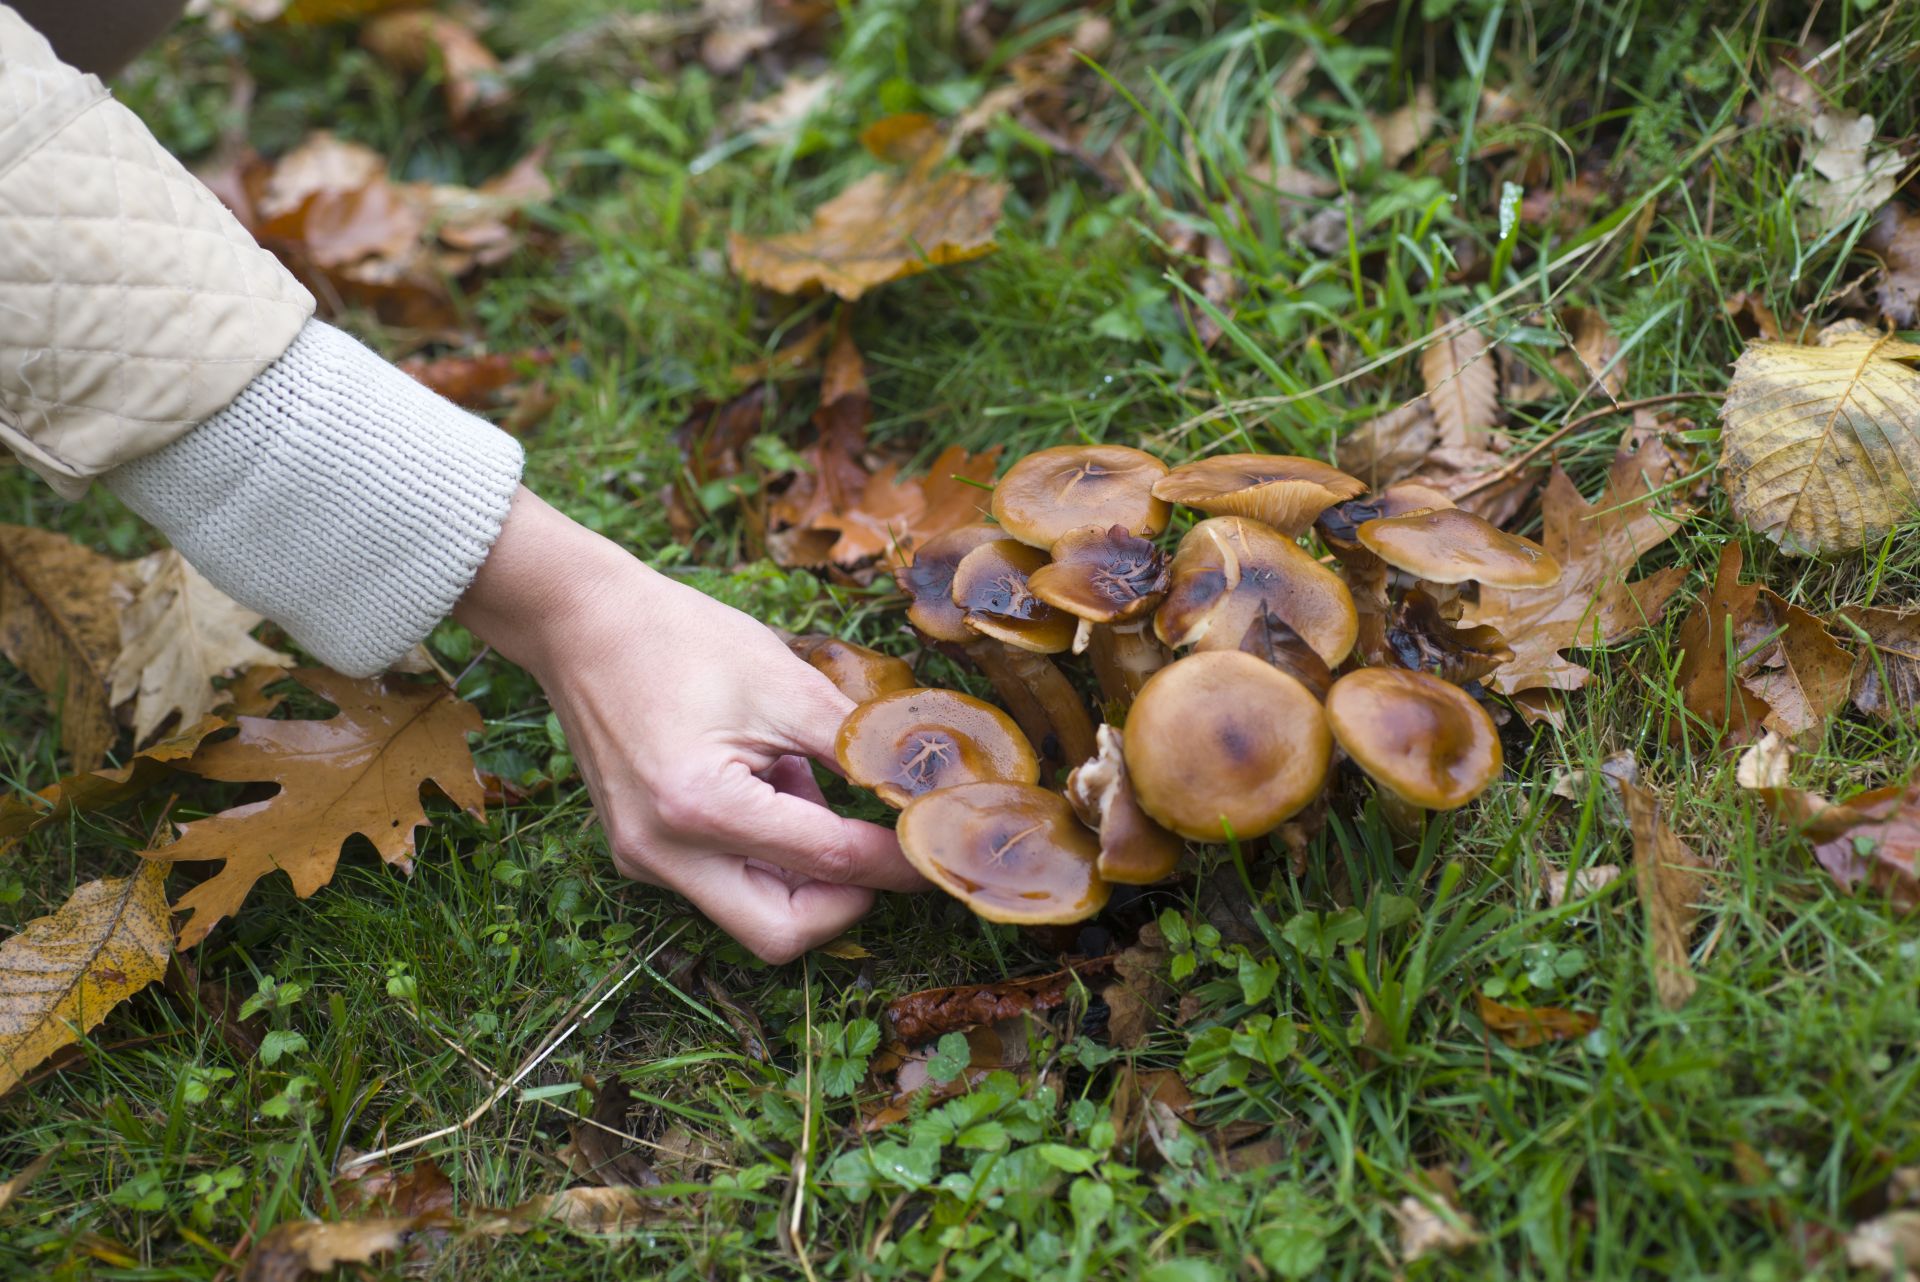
(1011, 852)
(1220, 742)
(1052, 491)
(1452, 545)
(1110, 580)
(1280, 490)
(1229, 571)
(1133, 848)
(1424, 741)
(1013, 631)
(928, 581)
(911, 742)
(859, 673)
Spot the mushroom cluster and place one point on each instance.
(1230, 676)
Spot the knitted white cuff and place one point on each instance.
(336, 496)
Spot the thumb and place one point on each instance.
(806, 721)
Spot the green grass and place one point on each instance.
(1607, 1157)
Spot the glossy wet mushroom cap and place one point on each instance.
(1229, 571)
(1221, 742)
(1102, 575)
(1453, 545)
(1063, 488)
(1284, 491)
(911, 742)
(1133, 848)
(1012, 852)
(1423, 740)
(859, 673)
(990, 586)
(928, 581)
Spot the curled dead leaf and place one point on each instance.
(418, 40)
(1886, 671)
(1463, 384)
(1670, 883)
(1522, 1027)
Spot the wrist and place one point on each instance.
(539, 589)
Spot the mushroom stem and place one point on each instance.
(1407, 821)
(1040, 697)
(1124, 656)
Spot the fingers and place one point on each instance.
(805, 837)
(808, 719)
(794, 776)
(775, 918)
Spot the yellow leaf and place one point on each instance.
(1820, 444)
(62, 973)
(179, 634)
(292, 1251)
(60, 624)
(844, 948)
(882, 228)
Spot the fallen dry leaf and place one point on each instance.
(1858, 176)
(1463, 385)
(290, 1252)
(1789, 675)
(1868, 841)
(417, 40)
(92, 790)
(60, 609)
(1137, 996)
(1591, 358)
(884, 227)
(597, 1149)
(1428, 1227)
(594, 1209)
(1820, 443)
(1389, 446)
(423, 1189)
(1402, 131)
(928, 1014)
(180, 633)
(357, 772)
(61, 974)
(1563, 885)
(1896, 238)
(1889, 1244)
(895, 517)
(1670, 882)
(16, 1184)
(1597, 545)
(476, 382)
(1524, 1026)
(1886, 672)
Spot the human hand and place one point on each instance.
(692, 725)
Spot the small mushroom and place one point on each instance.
(1012, 852)
(1221, 743)
(991, 585)
(929, 581)
(1055, 490)
(1229, 571)
(1425, 742)
(1133, 848)
(1279, 490)
(861, 674)
(1452, 545)
(1110, 580)
(914, 741)
(1339, 525)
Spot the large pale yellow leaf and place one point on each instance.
(60, 624)
(179, 634)
(62, 973)
(1820, 445)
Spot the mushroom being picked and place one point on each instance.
(1230, 571)
(1014, 632)
(1012, 852)
(1425, 742)
(1133, 848)
(911, 742)
(1279, 490)
(1110, 580)
(929, 582)
(1452, 545)
(859, 673)
(1220, 743)
(1055, 490)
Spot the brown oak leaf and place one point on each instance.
(91, 790)
(359, 771)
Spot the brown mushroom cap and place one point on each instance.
(929, 581)
(1012, 852)
(1452, 545)
(1133, 848)
(1102, 575)
(1282, 490)
(1339, 525)
(990, 586)
(859, 673)
(1425, 741)
(1221, 742)
(1055, 490)
(914, 741)
(1229, 571)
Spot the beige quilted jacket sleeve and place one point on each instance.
(132, 305)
